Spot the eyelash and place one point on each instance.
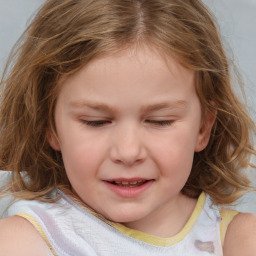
(100, 123)
(160, 122)
(96, 123)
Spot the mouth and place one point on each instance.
(129, 188)
(129, 184)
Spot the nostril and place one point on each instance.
(128, 154)
(129, 162)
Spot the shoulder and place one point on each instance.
(19, 237)
(241, 236)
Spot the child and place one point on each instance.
(123, 134)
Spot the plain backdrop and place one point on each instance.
(237, 20)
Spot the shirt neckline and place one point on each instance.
(142, 236)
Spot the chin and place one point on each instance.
(124, 217)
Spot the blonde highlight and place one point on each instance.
(66, 35)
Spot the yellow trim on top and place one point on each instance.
(164, 242)
(227, 216)
(35, 223)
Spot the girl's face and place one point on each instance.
(128, 125)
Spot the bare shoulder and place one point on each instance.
(19, 237)
(241, 236)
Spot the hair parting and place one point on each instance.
(66, 35)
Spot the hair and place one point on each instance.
(66, 35)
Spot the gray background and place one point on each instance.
(237, 19)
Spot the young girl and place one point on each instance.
(123, 134)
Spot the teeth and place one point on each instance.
(129, 183)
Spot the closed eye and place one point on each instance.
(96, 123)
(160, 122)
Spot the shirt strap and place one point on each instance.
(227, 216)
(38, 227)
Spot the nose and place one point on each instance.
(127, 146)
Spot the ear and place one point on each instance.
(205, 129)
(53, 140)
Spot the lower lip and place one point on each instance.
(129, 192)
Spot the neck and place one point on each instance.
(174, 215)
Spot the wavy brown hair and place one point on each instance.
(66, 35)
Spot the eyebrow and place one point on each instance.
(93, 105)
(165, 105)
(148, 108)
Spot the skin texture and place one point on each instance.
(19, 237)
(132, 116)
(129, 139)
(241, 236)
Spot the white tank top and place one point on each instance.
(71, 230)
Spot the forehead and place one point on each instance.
(147, 58)
(134, 73)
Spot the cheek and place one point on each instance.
(82, 169)
(82, 157)
(175, 153)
